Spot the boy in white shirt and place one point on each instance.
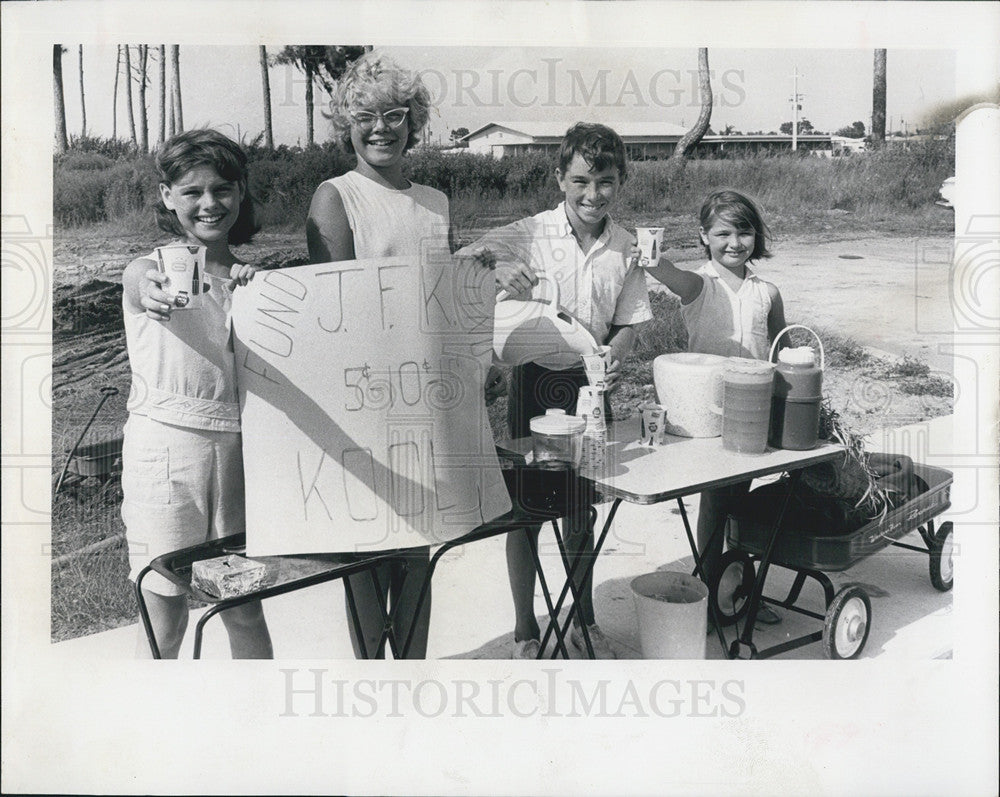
(592, 261)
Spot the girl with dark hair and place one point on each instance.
(730, 311)
(182, 458)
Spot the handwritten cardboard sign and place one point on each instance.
(361, 391)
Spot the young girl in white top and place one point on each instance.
(182, 460)
(730, 311)
(377, 113)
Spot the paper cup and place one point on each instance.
(652, 431)
(590, 406)
(650, 242)
(596, 366)
(184, 267)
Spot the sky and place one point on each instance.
(473, 86)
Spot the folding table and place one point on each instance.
(294, 572)
(284, 574)
(681, 466)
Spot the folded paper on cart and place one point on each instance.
(361, 392)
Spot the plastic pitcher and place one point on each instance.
(747, 386)
(527, 329)
(672, 609)
(798, 393)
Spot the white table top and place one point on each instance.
(682, 466)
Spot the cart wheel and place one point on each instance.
(848, 619)
(942, 573)
(730, 591)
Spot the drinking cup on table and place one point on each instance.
(596, 366)
(184, 268)
(650, 243)
(652, 431)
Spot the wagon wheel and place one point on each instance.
(729, 591)
(847, 622)
(942, 573)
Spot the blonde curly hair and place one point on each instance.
(373, 81)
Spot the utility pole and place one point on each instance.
(796, 107)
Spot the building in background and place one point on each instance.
(643, 140)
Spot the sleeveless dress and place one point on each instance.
(389, 222)
(409, 222)
(182, 474)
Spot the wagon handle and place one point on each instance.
(106, 392)
(774, 346)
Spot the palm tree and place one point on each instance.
(62, 141)
(694, 135)
(175, 90)
(128, 95)
(141, 77)
(320, 63)
(83, 99)
(114, 101)
(878, 100)
(162, 132)
(265, 80)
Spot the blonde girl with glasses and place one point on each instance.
(373, 211)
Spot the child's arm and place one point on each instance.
(506, 251)
(328, 232)
(142, 291)
(776, 318)
(686, 284)
(620, 339)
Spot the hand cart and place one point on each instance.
(102, 459)
(736, 592)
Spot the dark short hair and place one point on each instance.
(205, 147)
(740, 211)
(599, 145)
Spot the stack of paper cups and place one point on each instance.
(590, 407)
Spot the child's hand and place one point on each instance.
(496, 385)
(481, 256)
(634, 254)
(240, 274)
(154, 300)
(612, 375)
(516, 279)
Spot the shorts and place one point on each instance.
(182, 487)
(534, 389)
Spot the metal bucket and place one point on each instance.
(672, 609)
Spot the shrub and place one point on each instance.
(132, 189)
(84, 162)
(78, 197)
(113, 148)
(666, 333)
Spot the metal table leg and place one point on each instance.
(699, 569)
(147, 624)
(745, 639)
(571, 571)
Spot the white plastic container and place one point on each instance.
(688, 385)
